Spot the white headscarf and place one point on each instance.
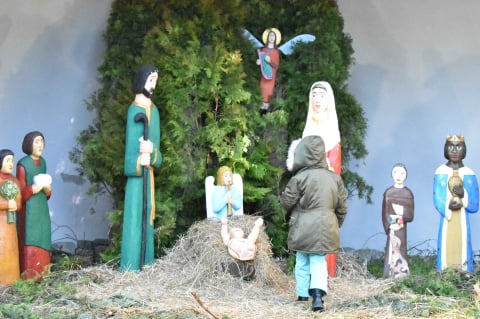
(326, 127)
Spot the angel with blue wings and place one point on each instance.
(269, 58)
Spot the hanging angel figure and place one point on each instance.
(269, 58)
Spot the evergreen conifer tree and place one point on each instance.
(208, 95)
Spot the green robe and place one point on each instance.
(132, 215)
(37, 214)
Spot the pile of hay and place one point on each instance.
(190, 282)
(203, 256)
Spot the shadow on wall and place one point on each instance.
(44, 87)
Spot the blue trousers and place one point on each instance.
(310, 273)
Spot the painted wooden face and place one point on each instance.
(319, 100)
(455, 151)
(271, 37)
(37, 147)
(7, 164)
(399, 175)
(227, 178)
(151, 82)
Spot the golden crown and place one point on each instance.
(455, 138)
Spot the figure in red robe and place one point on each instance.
(268, 60)
(322, 120)
(34, 229)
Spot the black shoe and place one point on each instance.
(264, 108)
(317, 302)
(302, 298)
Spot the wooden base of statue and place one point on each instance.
(331, 265)
(238, 268)
(36, 263)
(9, 264)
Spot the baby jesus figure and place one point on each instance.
(239, 247)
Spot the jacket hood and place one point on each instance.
(310, 152)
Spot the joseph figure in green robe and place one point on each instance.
(140, 155)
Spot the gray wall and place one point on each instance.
(49, 52)
(417, 77)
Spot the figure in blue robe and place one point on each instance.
(455, 196)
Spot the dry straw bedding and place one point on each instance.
(190, 280)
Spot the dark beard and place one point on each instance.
(148, 94)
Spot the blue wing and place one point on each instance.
(255, 42)
(288, 46)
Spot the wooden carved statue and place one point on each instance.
(10, 201)
(241, 247)
(455, 196)
(34, 229)
(269, 59)
(322, 120)
(225, 199)
(397, 211)
(142, 156)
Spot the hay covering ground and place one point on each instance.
(190, 282)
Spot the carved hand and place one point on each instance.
(458, 190)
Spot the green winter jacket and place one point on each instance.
(316, 198)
